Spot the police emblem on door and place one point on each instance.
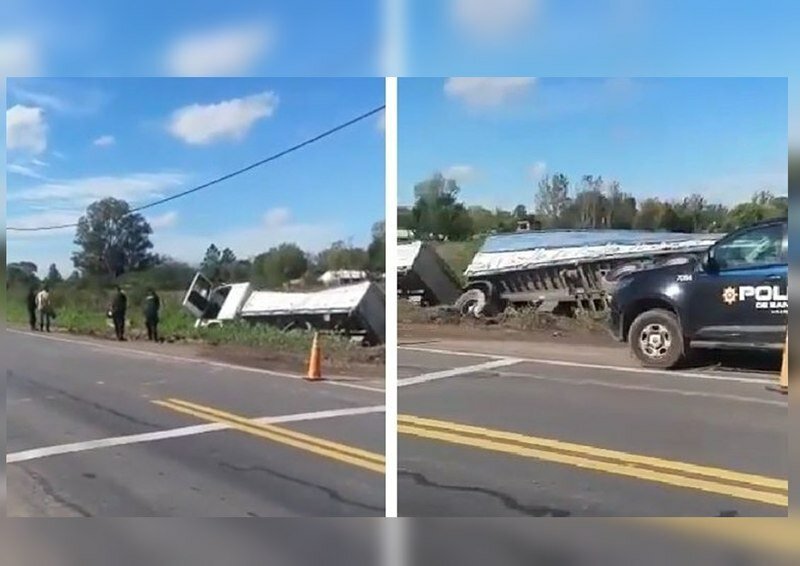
(729, 295)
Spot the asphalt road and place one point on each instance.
(515, 429)
(418, 542)
(100, 429)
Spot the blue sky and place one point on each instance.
(725, 138)
(195, 37)
(74, 141)
(606, 38)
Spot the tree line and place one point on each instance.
(114, 246)
(591, 203)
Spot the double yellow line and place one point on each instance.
(713, 480)
(333, 450)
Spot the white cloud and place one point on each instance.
(537, 170)
(104, 141)
(83, 191)
(41, 99)
(483, 20)
(229, 119)
(24, 170)
(26, 129)
(276, 217)
(166, 220)
(485, 92)
(460, 173)
(226, 51)
(19, 57)
(69, 100)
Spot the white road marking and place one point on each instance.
(426, 377)
(37, 453)
(645, 388)
(171, 358)
(621, 369)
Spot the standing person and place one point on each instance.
(152, 305)
(30, 301)
(119, 307)
(43, 308)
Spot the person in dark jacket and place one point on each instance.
(30, 301)
(119, 307)
(152, 305)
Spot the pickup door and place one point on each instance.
(742, 300)
(197, 298)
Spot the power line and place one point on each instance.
(272, 157)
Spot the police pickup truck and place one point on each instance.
(736, 296)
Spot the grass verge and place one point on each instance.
(84, 312)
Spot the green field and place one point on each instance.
(83, 311)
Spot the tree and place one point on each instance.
(694, 206)
(670, 220)
(211, 261)
(27, 266)
(21, 274)
(279, 265)
(112, 240)
(552, 199)
(621, 209)
(342, 256)
(53, 275)
(648, 215)
(405, 218)
(483, 219)
(520, 212)
(762, 206)
(437, 213)
(227, 257)
(376, 252)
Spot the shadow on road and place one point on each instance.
(767, 362)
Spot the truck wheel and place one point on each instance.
(473, 303)
(656, 339)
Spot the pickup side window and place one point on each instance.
(759, 247)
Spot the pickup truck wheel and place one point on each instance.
(656, 339)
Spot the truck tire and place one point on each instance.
(473, 302)
(656, 339)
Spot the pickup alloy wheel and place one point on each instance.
(656, 339)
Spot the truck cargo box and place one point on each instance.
(354, 310)
(424, 276)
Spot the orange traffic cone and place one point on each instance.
(783, 383)
(315, 361)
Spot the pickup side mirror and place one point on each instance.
(710, 264)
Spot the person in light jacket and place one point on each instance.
(44, 308)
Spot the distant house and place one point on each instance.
(404, 235)
(528, 223)
(342, 277)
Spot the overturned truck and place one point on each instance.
(355, 310)
(423, 277)
(566, 271)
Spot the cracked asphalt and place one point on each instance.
(85, 437)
